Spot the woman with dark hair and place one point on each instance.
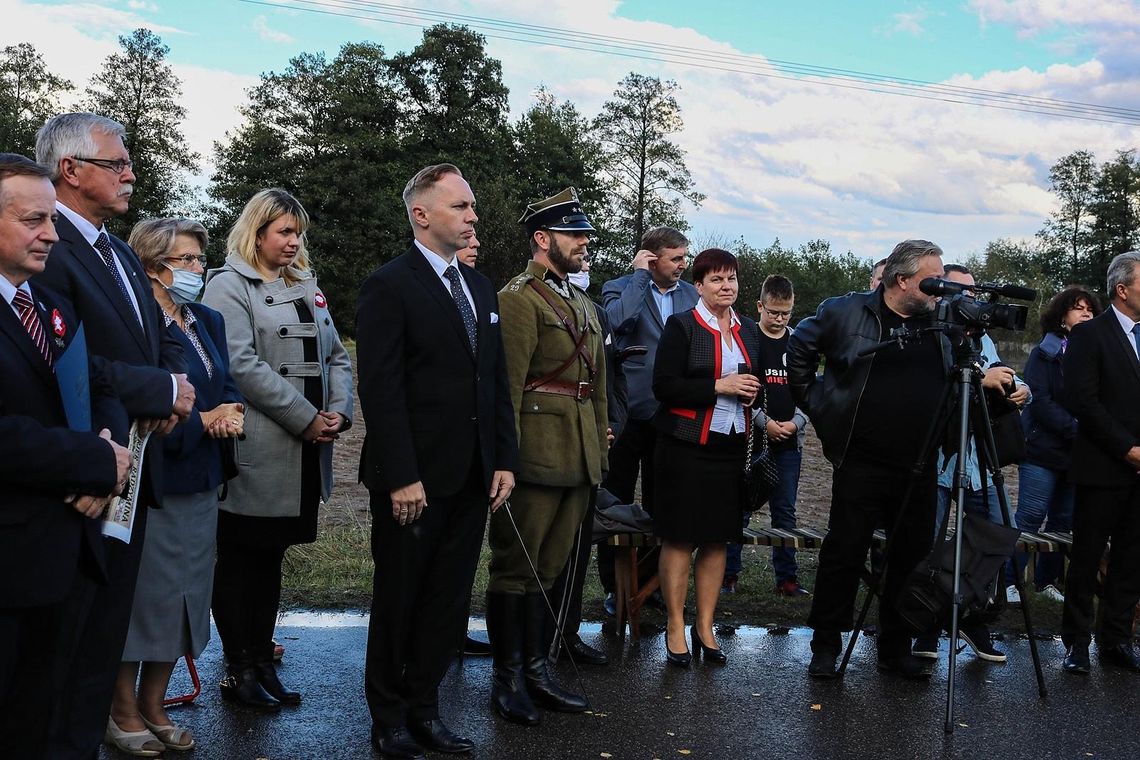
(1045, 494)
(703, 379)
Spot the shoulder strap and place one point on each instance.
(578, 336)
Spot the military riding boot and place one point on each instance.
(505, 628)
(543, 689)
(242, 685)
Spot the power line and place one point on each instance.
(735, 63)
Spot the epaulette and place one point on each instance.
(520, 281)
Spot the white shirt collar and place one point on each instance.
(710, 318)
(1125, 321)
(659, 292)
(8, 290)
(438, 263)
(86, 228)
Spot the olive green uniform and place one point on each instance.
(562, 438)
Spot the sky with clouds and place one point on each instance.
(791, 156)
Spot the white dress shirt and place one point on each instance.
(728, 414)
(1126, 324)
(90, 234)
(440, 265)
(8, 293)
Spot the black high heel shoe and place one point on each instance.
(711, 655)
(679, 659)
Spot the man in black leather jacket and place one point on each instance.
(872, 414)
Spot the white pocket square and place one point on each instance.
(494, 318)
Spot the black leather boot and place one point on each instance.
(541, 686)
(242, 685)
(267, 676)
(505, 629)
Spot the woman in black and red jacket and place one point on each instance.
(702, 377)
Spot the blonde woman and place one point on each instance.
(296, 378)
(171, 612)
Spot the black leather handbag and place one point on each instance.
(761, 476)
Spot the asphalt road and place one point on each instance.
(762, 704)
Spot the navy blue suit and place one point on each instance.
(138, 361)
(44, 542)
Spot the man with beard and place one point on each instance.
(872, 413)
(556, 374)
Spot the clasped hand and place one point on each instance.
(744, 387)
(224, 421)
(324, 428)
(93, 506)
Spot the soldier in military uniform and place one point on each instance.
(556, 371)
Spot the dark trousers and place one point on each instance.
(1100, 514)
(30, 678)
(863, 497)
(97, 618)
(566, 594)
(247, 595)
(420, 594)
(632, 452)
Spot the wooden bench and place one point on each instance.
(631, 596)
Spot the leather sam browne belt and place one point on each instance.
(580, 391)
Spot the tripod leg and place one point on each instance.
(989, 452)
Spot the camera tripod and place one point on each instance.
(973, 420)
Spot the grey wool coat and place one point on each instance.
(268, 364)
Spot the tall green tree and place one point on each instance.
(137, 87)
(1116, 209)
(644, 169)
(1069, 228)
(29, 96)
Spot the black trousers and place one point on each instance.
(247, 596)
(97, 618)
(863, 497)
(566, 594)
(632, 452)
(1100, 514)
(420, 594)
(30, 677)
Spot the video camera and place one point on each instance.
(959, 307)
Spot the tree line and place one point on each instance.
(345, 133)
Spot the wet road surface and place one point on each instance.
(762, 704)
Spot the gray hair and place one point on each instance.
(904, 260)
(153, 239)
(70, 134)
(424, 180)
(1122, 271)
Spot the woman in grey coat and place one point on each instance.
(296, 378)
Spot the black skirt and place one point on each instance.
(698, 489)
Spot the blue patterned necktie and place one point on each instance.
(103, 246)
(1136, 337)
(465, 311)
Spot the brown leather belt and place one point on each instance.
(579, 391)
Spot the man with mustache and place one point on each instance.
(556, 375)
(104, 279)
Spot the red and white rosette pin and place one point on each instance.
(319, 300)
(58, 326)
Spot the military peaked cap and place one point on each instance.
(558, 213)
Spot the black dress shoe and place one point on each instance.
(436, 736)
(1077, 660)
(678, 659)
(473, 647)
(267, 675)
(583, 652)
(715, 656)
(396, 744)
(245, 688)
(1122, 656)
(906, 665)
(823, 665)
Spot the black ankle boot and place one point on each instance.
(541, 686)
(505, 627)
(243, 686)
(267, 677)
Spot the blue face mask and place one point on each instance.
(186, 287)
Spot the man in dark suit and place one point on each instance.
(102, 277)
(56, 478)
(1102, 389)
(440, 448)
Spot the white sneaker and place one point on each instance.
(1051, 593)
(1011, 595)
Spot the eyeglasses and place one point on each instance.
(117, 165)
(775, 313)
(187, 260)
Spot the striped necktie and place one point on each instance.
(31, 323)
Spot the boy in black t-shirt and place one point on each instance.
(783, 425)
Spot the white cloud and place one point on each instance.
(1034, 16)
(261, 26)
(909, 22)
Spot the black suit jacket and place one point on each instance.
(1102, 390)
(43, 540)
(430, 405)
(137, 359)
